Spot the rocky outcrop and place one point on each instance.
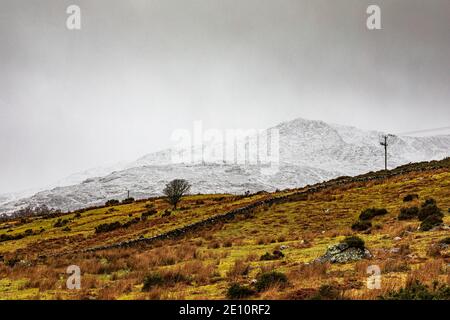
(342, 253)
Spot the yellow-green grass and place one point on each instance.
(82, 229)
(306, 228)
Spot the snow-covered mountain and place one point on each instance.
(14, 196)
(309, 151)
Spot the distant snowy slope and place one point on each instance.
(149, 180)
(93, 172)
(309, 151)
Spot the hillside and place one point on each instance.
(309, 152)
(214, 241)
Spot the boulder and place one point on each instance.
(394, 250)
(342, 253)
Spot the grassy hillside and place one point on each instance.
(205, 263)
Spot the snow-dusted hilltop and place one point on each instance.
(309, 152)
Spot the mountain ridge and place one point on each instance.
(310, 151)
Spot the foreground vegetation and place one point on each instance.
(270, 253)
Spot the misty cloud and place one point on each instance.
(138, 70)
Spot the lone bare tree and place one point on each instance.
(175, 189)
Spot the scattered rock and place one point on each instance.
(397, 239)
(394, 250)
(442, 227)
(402, 250)
(283, 247)
(25, 263)
(444, 243)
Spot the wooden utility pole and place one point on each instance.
(128, 191)
(384, 142)
(385, 145)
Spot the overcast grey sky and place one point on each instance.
(137, 70)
